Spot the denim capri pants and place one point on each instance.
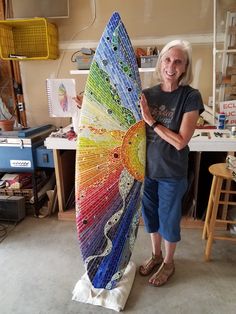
(162, 206)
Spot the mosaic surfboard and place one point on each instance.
(110, 158)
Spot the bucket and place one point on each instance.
(7, 125)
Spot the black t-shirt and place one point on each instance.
(163, 159)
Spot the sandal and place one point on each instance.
(162, 275)
(149, 265)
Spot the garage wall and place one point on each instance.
(149, 23)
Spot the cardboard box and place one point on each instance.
(231, 70)
(233, 79)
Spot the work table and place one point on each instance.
(203, 140)
(213, 140)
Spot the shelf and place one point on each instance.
(224, 61)
(225, 51)
(79, 71)
(146, 70)
(141, 70)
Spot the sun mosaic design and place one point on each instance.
(110, 158)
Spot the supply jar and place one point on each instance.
(221, 118)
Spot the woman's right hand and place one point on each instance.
(79, 100)
(146, 114)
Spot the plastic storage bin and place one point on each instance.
(148, 61)
(28, 39)
(84, 62)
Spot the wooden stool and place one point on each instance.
(213, 215)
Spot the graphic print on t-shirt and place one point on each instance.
(163, 114)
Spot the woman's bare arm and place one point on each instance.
(178, 140)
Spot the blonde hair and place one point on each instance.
(185, 46)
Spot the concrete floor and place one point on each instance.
(40, 264)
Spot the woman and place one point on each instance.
(171, 110)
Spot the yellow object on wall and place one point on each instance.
(28, 39)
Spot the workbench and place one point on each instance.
(19, 153)
(203, 140)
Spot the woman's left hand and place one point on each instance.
(146, 114)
